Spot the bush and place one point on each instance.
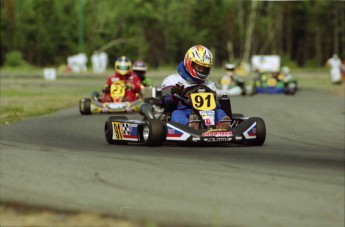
(286, 61)
(14, 59)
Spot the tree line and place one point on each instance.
(303, 33)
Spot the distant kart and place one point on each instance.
(229, 86)
(239, 85)
(156, 127)
(270, 83)
(117, 92)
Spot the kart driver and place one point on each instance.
(194, 70)
(139, 68)
(228, 84)
(123, 73)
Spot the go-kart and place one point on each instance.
(229, 86)
(156, 128)
(119, 104)
(275, 83)
(236, 85)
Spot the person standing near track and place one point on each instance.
(335, 64)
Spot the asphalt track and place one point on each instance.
(296, 178)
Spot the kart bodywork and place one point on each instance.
(273, 83)
(156, 128)
(117, 93)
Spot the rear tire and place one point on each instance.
(260, 132)
(108, 129)
(153, 132)
(85, 106)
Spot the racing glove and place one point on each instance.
(177, 89)
(129, 86)
(106, 89)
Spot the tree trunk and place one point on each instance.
(240, 26)
(249, 32)
(288, 33)
(335, 31)
(318, 47)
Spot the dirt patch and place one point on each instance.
(22, 215)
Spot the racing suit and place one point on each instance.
(181, 113)
(133, 88)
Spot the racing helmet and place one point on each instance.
(123, 65)
(198, 61)
(139, 66)
(229, 66)
(285, 70)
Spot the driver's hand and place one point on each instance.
(106, 89)
(177, 89)
(129, 86)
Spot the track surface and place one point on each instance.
(295, 179)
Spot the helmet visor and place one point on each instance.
(202, 69)
(123, 67)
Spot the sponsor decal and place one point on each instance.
(217, 139)
(130, 131)
(174, 133)
(217, 134)
(116, 105)
(208, 117)
(238, 138)
(195, 139)
(250, 133)
(171, 131)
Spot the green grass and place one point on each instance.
(21, 98)
(24, 93)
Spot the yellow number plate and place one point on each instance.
(272, 82)
(117, 131)
(117, 89)
(203, 101)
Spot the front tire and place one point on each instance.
(153, 132)
(260, 132)
(85, 106)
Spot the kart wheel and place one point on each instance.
(153, 132)
(291, 88)
(260, 132)
(85, 106)
(108, 129)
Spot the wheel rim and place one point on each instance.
(146, 132)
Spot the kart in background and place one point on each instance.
(229, 86)
(235, 85)
(117, 93)
(156, 128)
(275, 83)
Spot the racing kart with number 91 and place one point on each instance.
(156, 128)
